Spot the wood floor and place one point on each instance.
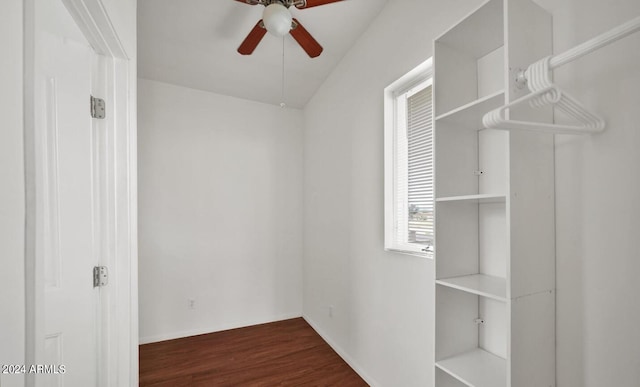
(284, 353)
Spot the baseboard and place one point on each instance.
(213, 329)
(348, 359)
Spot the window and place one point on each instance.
(409, 207)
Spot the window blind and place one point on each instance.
(420, 210)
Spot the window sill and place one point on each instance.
(419, 254)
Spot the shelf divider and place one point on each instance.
(470, 115)
(480, 284)
(476, 368)
(479, 198)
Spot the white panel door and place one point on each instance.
(66, 191)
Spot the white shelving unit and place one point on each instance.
(495, 252)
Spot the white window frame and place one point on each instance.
(412, 82)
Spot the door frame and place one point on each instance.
(119, 338)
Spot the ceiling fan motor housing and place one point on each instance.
(277, 19)
(286, 3)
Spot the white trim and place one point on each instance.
(219, 328)
(93, 20)
(419, 74)
(342, 353)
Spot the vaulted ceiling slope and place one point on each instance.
(193, 43)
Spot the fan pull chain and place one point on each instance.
(282, 104)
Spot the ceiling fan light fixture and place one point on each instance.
(277, 19)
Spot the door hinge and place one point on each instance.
(100, 276)
(97, 107)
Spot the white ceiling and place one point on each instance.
(193, 43)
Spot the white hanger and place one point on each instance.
(544, 92)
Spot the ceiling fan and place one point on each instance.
(278, 21)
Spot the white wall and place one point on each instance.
(383, 314)
(12, 212)
(220, 211)
(383, 302)
(597, 207)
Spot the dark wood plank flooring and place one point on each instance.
(283, 353)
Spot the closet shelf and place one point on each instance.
(470, 115)
(476, 368)
(480, 198)
(480, 284)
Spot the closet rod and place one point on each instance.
(590, 45)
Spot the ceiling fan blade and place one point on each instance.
(315, 3)
(305, 40)
(246, 2)
(251, 41)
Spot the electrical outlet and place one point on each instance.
(191, 304)
(331, 311)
